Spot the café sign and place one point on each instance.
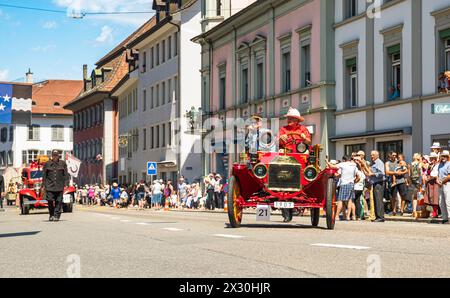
(441, 108)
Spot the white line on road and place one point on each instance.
(229, 236)
(173, 229)
(142, 223)
(341, 246)
(125, 220)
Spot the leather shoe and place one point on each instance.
(51, 218)
(379, 220)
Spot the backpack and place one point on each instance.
(415, 172)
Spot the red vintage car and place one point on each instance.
(274, 180)
(31, 195)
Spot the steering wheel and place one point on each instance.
(291, 138)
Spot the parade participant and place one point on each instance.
(444, 185)
(55, 178)
(294, 119)
(253, 135)
(431, 187)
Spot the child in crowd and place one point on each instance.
(402, 166)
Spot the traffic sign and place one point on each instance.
(152, 168)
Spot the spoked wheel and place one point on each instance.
(315, 216)
(234, 211)
(331, 204)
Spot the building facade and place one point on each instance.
(388, 63)
(268, 57)
(167, 87)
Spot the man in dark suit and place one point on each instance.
(2, 191)
(55, 178)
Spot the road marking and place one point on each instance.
(125, 220)
(173, 229)
(229, 236)
(341, 246)
(142, 223)
(114, 217)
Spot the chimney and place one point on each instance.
(84, 71)
(29, 77)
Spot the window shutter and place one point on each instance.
(444, 34)
(393, 50)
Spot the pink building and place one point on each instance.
(266, 58)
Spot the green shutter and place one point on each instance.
(393, 50)
(351, 62)
(444, 34)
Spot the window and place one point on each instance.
(260, 82)
(169, 92)
(144, 100)
(144, 139)
(157, 54)
(157, 136)
(306, 66)
(57, 133)
(163, 97)
(34, 132)
(152, 138)
(286, 62)
(175, 47)
(394, 72)
(135, 100)
(350, 8)
(32, 155)
(152, 58)
(222, 90)
(144, 62)
(352, 83)
(157, 96)
(4, 135)
(349, 149)
(163, 135)
(175, 86)
(163, 54)
(444, 141)
(385, 147)
(11, 133)
(71, 133)
(169, 48)
(3, 159)
(169, 135)
(218, 7)
(244, 84)
(152, 90)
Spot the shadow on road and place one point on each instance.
(19, 234)
(277, 226)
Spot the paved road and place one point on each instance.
(131, 243)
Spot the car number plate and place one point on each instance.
(263, 213)
(284, 205)
(67, 199)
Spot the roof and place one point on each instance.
(123, 45)
(47, 93)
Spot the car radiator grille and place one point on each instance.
(284, 177)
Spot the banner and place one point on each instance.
(73, 165)
(15, 104)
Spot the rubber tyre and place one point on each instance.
(234, 212)
(331, 206)
(68, 208)
(315, 216)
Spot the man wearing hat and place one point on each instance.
(55, 178)
(294, 119)
(436, 148)
(444, 185)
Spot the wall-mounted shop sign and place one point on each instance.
(441, 108)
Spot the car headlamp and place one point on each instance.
(302, 148)
(310, 173)
(260, 171)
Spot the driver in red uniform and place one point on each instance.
(302, 134)
(294, 119)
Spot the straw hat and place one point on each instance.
(294, 113)
(436, 146)
(445, 153)
(434, 155)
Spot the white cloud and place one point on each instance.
(4, 74)
(96, 6)
(49, 25)
(106, 36)
(43, 49)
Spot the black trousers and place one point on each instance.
(219, 199)
(55, 201)
(210, 201)
(378, 200)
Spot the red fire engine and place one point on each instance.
(31, 195)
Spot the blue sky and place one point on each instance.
(55, 46)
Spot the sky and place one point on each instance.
(55, 46)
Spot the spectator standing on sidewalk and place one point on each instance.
(2, 192)
(444, 186)
(359, 190)
(376, 177)
(218, 191)
(115, 194)
(416, 181)
(210, 185)
(401, 182)
(431, 186)
(156, 194)
(392, 190)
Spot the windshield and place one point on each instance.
(35, 174)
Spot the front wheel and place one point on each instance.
(331, 204)
(315, 216)
(234, 210)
